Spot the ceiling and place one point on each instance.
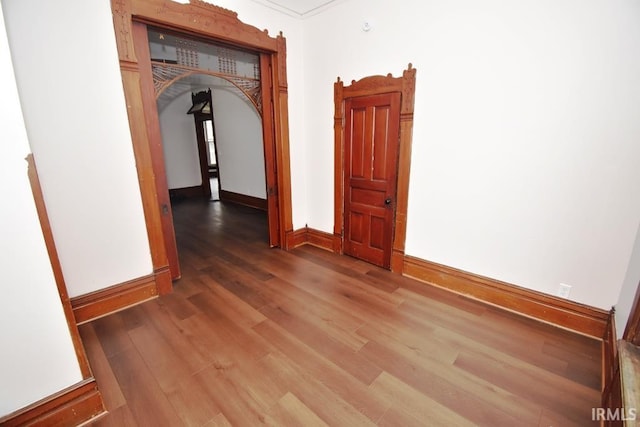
(298, 8)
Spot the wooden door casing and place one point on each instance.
(372, 127)
(201, 19)
(367, 86)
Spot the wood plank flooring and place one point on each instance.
(258, 336)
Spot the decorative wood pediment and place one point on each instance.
(383, 84)
(196, 17)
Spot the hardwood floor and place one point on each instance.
(254, 336)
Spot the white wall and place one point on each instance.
(238, 129)
(525, 143)
(239, 143)
(37, 357)
(179, 144)
(70, 86)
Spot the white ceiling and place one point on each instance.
(298, 8)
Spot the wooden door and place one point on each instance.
(372, 126)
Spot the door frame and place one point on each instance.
(374, 85)
(198, 119)
(130, 18)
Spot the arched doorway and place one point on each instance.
(197, 19)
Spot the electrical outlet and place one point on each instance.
(564, 290)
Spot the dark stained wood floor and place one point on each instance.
(254, 336)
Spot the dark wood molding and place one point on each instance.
(187, 192)
(36, 189)
(72, 406)
(164, 280)
(243, 199)
(310, 236)
(370, 86)
(320, 239)
(610, 364)
(148, 118)
(276, 238)
(199, 17)
(571, 315)
(297, 238)
(114, 298)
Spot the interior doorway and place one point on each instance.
(196, 20)
(202, 111)
(372, 128)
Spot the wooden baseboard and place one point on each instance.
(581, 318)
(69, 407)
(118, 297)
(310, 236)
(164, 282)
(187, 192)
(296, 238)
(320, 239)
(243, 199)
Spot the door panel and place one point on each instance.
(372, 125)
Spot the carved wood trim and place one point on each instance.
(36, 189)
(367, 86)
(281, 118)
(121, 10)
(164, 75)
(199, 19)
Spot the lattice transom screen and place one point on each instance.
(176, 58)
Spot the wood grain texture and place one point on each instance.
(258, 336)
(568, 314)
(105, 301)
(154, 134)
(56, 267)
(75, 405)
(310, 236)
